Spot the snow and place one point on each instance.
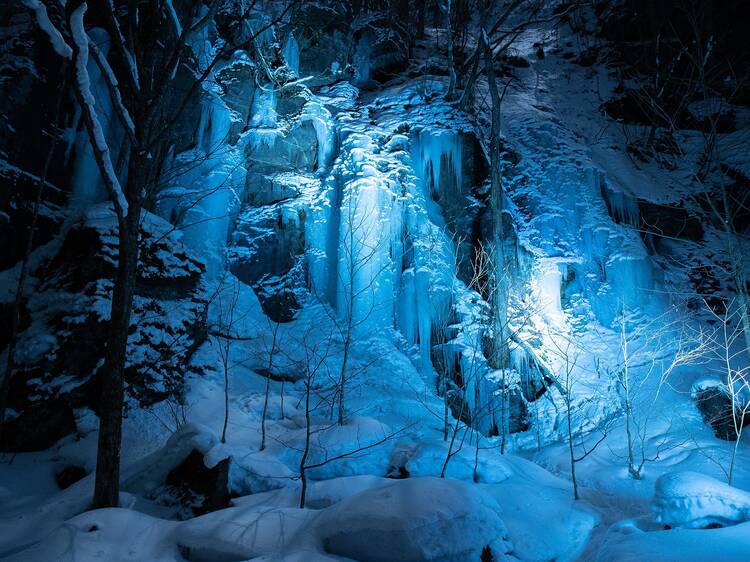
(692, 500)
(97, 136)
(429, 519)
(630, 542)
(42, 19)
(115, 91)
(175, 19)
(376, 213)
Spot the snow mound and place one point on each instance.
(629, 542)
(693, 501)
(419, 520)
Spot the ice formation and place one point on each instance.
(291, 53)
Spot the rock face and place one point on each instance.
(63, 332)
(268, 245)
(30, 82)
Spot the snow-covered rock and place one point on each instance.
(61, 345)
(415, 520)
(693, 501)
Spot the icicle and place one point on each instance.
(291, 53)
(264, 108)
(208, 191)
(437, 148)
(623, 208)
(361, 60)
(321, 120)
(548, 282)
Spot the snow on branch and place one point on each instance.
(88, 103)
(120, 43)
(55, 37)
(173, 16)
(114, 91)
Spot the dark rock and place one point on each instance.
(69, 475)
(587, 57)
(32, 81)
(38, 426)
(397, 473)
(206, 489)
(267, 256)
(293, 150)
(516, 61)
(670, 220)
(459, 407)
(237, 80)
(380, 44)
(629, 109)
(18, 191)
(518, 412)
(291, 98)
(715, 406)
(322, 31)
(277, 376)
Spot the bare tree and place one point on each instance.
(449, 25)
(727, 349)
(224, 340)
(274, 329)
(463, 417)
(363, 257)
(650, 350)
(140, 77)
(567, 381)
(314, 366)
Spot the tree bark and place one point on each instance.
(500, 290)
(107, 484)
(451, 65)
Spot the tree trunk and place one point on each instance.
(306, 450)
(571, 450)
(342, 381)
(421, 17)
(107, 484)
(268, 390)
(451, 66)
(500, 290)
(226, 395)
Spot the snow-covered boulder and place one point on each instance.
(191, 470)
(416, 520)
(692, 500)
